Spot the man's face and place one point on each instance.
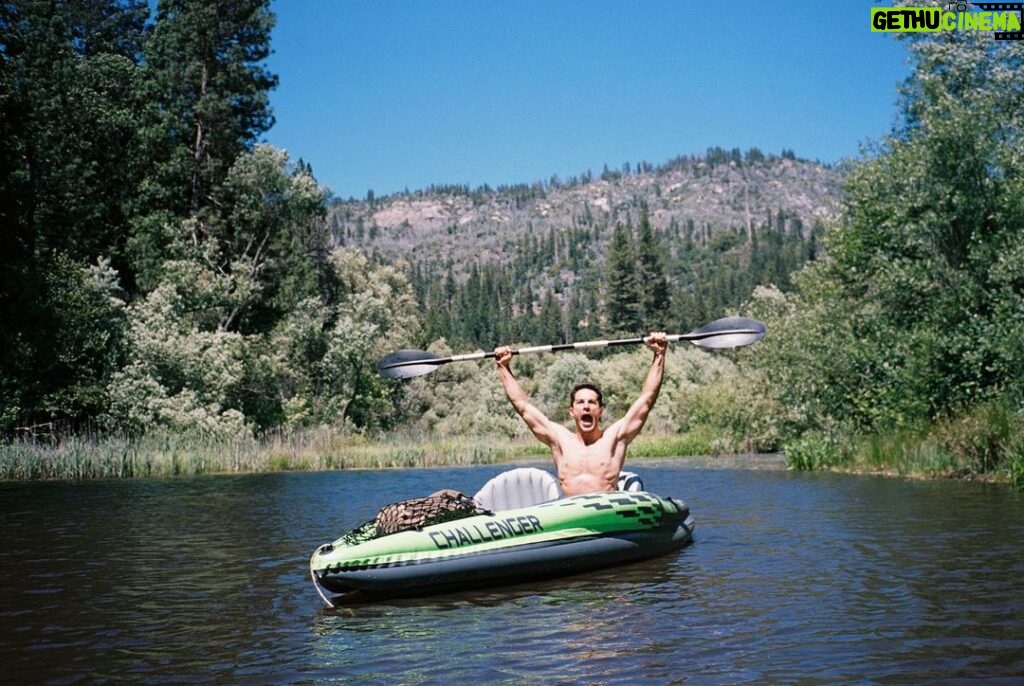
(585, 410)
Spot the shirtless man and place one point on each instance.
(590, 458)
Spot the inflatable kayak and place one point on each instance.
(553, 538)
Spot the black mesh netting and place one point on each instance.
(367, 531)
(442, 506)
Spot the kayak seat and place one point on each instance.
(520, 487)
(528, 486)
(630, 481)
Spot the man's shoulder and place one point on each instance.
(563, 432)
(616, 431)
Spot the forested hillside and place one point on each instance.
(544, 262)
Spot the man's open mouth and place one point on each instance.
(586, 421)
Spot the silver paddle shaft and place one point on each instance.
(582, 345)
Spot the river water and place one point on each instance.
(793, 577)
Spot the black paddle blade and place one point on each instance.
(730, 332)
(406, 364)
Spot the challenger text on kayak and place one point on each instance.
(491, 530)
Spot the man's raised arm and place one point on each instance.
(538, 423)
(633, 420)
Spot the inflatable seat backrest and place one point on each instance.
(630, 481)
(521, 487)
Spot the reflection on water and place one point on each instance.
(818, 577)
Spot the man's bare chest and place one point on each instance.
(574, 450)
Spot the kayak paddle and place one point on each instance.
(728, 332)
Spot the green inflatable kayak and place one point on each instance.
(554, 538)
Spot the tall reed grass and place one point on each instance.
(158, 455)
(96, 457)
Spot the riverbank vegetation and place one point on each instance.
(902, 349)
(162, 455)
(462, 418)
(174, 301)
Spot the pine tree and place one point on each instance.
(550, 328)
(655, 296)
(205, 94)
(624, 308)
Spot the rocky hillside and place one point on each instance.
(694, 196)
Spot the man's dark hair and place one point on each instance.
(580, 387)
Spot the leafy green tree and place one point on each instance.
(239, 273)
(914, 314)
(376, 314)
(68, 124)
(317, 365)
(67, 121)
(268, 238)
(179, 377)
(284, 384)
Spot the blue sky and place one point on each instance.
(391, 95)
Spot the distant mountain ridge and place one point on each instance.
(720, 191)
(548, 261)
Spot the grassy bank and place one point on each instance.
(169, 455)
(78, 457)
(986, 443)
